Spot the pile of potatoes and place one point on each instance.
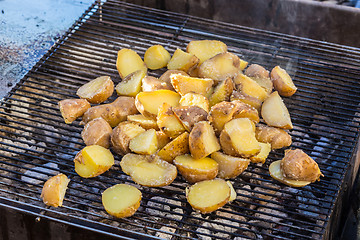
(200, 119)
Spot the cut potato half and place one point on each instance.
(168, 122)
(178, 146)
(263, 154)
(182, 61)
(282, 82)
(131, 85)
(229, 166)
(156, 57)
(184, 84)
(97, 90)
(202, 140)
(54, 189)
(128, 61)
(249, 87)
(222, 92)
(145, 142)
(276, 173)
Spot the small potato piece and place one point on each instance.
(222, 92)
(249, 87)
(255, 70)
(205, 49)
(265, 83)
(275, 113)
(165, 77)
(97, 132)
(148, 170)
(178, 146)
(128, 61)
(196, 170)
(148, 103)
(121, 200)
(150, 84)
(263, 154)
(220, 114)
(156, 57)
(282, 82)
(131, 84)
(194, 99)
(162, 139)
(71, 109)
(144, 143)
(208, 196)
(92, 161)
(168, 122)
(242, 97)
(54, 189)
(202, 140)
(145, 122)
(276, 173)
(114, 112)
(277, 137)
(220, 67)
(244, 110)
(183, 84)
(229, 166)
(238, 138)
(190, 115)
(122, 134)
(182, 61)
(97, 90)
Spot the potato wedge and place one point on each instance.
(178, 146)
(145, 142)
(277, 137)
(249, 87)
(148, 103)
(122, 134)
(282, 82)
(265, 83)
(148, 170)
(242, 97)
(144, 122)
(156, 57)
(222, 92)
(208, 196)
(97, 132)
(168, 122)
(183, 84)
(205, 49)
(121, 200)
(257, 71)
(131, 84)
(162, 139)
(244, 110)
(263, 154)
(275, 113)
(128, 61)
(92, 161)
(97, 90)
(202, 140)
(220, 114)
(182, 61)
(238, 138)
(190, 115)
(165, 77)
(150, 84)
(194, 99)
(113, 113)
(53, 191)
(196, 170)
(229, 166)
(71, 109)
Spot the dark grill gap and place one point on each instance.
(324, 112)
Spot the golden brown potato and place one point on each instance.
(238, 138)
(275, 113)
(183, 84)
(97, 132)
(168, 122)
(122, 134)
(165, 77)
(242, 97)
(162, 139)
(249, 87)
(97, 90)
(131, 84)
(113, 113)
(148, 170)
(182, 61)
(229, 166)
(71, 109)
(119, 206)
(255, 70)
(194, 99)
(263, 154)
(208, 196)
(277, 137)
(220, 114)
(222, 92)
(205, 49)
(128, 61)
(144, 122)
(202, 140)
(92, 161)
(144, 143)
(150, 84)
(244, 110)
(189, 115)
(54, 189)
(282, 82)
(196, 170)
(178, 146)
(220, 67)
(156, 57)
(148, 103)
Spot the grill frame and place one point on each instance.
(178, 32)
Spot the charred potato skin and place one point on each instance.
(277, 137)
(97, 132)
(71, 109)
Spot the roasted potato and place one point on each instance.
(165, 77)
(92, 161)
(255, 70)
(249, 87)
(196, 170)
(145, 142)
(244, 110)
(116, 204)
(275, 113)
(144, 122)
(71, 109)
(220, 114)
(282, 82)
(202, 140)
(182, 61)
(148, 170)
(97, 90)
(150, 84)
(162, 139)
(205, 49)
(265, 83)
(208, 196)
(54, 189)
(168, 122)
(229, 166)
(178, 146)
(277, 173)
(263, 154)
(189, 115)
(222, 92)
(97, 132)
(131, 84)
(156, 57)
(113, 113)
(184, 84)
(194, 99)
(242, 97)
(128, 61)
(277, 137)
(122, 134)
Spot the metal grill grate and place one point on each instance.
(324, 112)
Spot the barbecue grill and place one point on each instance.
(36, 143)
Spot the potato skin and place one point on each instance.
(282, 82)
(97, 132)
(229, 166)
(277, 137)
(202, 140)
(190, 115)
(54, 189)
(71, 109)
(255, 70)
(178, 146)
(220, 114)
(97, 95)
(165, 77)
(122, 134)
